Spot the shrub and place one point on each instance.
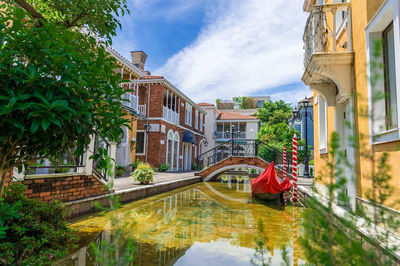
(164, 167)
(36, 232)
(135, 165)
(143, 174)
(195, 166)
(252, 171)
(119, 170)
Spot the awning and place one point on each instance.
(189, 137)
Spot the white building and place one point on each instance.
(221, 125)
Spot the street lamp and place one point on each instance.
(298, 116)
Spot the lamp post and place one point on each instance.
(297, 116)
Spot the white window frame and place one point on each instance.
(387, 13)
(201, 122)
(322, 125)
(196, 121)
(188, 114)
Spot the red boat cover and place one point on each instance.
(268, 182)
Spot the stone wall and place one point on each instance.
(63, 188)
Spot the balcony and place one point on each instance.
(229, 135)
(327, 59)
(130, 100)
(170, 115)
(142, 109)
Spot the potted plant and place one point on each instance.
(143, 174)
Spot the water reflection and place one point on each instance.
(207, 223)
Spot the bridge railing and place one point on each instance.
(243, 148)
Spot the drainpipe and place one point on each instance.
(148, 124)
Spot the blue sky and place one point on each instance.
(220, 48)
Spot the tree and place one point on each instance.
(58, 85)
(269, 108)
(276, 131)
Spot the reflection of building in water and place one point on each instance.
(167, 227)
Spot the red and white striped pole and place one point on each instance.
(284, 174)
(294, 169)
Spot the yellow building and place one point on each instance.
(126, 152)
(341, 40)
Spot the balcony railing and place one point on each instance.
(142, 109)
(318, 36)
(170, 115)
(228, 135)
(130, 100)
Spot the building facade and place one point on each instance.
(352, 54)
(221, 126)
(126, 152)
(305, 106)
(170, 126)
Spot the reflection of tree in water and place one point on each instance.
(167, 227)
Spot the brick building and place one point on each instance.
(171, 126)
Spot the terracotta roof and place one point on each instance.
(205, 104)
(235, 116)
(152, 77)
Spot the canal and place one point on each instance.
(208, 223)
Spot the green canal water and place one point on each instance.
(203, 224)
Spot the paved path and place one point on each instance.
(124, 182)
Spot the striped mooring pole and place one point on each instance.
(284, 174)
(294, 199)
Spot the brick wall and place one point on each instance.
(156, 151)
(64, 188)
(254, 161)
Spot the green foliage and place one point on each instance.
(276, 131)
(119, 170)
(135, 165)
(195, 166)
(143, 174)
(58, 85)
(270, 110)
(36, 232)
(164, 167)
(260, 256)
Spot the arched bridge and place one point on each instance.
(241, 153)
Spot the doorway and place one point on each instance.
(187, 156)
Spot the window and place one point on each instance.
(260, 103)
(140, 140)
(390, 78)
(196, 119)
(322, 124)
(201, 122)
(188, 114)
(383, 56)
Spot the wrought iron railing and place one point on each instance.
(320, 36)
(242, 148)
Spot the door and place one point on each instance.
(187, 156)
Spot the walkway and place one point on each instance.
(125, 182)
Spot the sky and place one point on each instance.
(213, 49)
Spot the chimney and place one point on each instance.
(139, 59)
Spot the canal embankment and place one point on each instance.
(374, 235)
(128, 191)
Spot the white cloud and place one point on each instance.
(245, 47)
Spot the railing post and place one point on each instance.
(89, 153)
(112, 154)
(334, 10)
